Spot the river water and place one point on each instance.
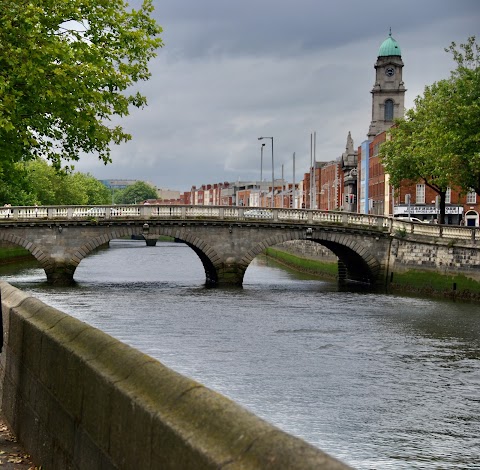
(378, 381)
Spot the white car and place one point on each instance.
(96, 212)
(92, 212)
(258, 214)
(412, 219)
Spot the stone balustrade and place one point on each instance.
(123, 212)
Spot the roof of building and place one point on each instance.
(389, 47)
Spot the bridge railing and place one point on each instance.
(185, 212)
(452, 232)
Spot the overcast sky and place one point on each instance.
(231, 71)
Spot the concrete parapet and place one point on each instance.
(79, 399)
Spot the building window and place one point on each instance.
(420, 196)
(448, 196)
(471, 197)
(389, 110)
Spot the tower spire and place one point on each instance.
(388, 93)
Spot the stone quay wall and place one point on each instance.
(76, 398)
(442, 258)
(449, 269)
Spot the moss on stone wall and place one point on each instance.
(435, 284)
(323, 269)
(428, 283)
(13, 254)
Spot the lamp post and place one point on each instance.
(261, 162)
(273, 178)
(261, 172)
(283, 187)
(294, 189)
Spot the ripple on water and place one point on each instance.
(381, 382)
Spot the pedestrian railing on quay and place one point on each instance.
(237, 213)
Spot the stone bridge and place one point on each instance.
(226, 239)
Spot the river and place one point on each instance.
(378, 381)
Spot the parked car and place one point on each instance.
(258, 214)
(96, 212)
(92, 212)
(412, 219)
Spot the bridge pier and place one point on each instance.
(220, 272)
(151, 241)
(60, 274)
(230, 274)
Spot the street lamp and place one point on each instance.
(273, 178)
(261, 173)
(261, 162)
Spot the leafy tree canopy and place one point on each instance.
(65, 67)
(460, 131)
(438, 141)
(135, 193)
(37, 182)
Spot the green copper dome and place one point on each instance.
(389, 47)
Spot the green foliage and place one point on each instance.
(438, 141)
(401, 232)
(14, 189)
(461, 115)
(96, 193)
(135, 193)
(65, 67)
(36, 182)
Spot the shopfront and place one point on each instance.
(430, 213)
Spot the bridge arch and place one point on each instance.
(259, 248)
(43, 259)
(206, 253)
(355, 262)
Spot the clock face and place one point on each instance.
(389, 71)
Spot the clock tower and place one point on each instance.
(388, 93)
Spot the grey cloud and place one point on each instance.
(232, 71)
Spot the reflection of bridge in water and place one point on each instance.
(226, 239)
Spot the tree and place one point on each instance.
(65, 67)
(37, 182)
(438, 140)
(96, 193)
(412, 151)
(14, 189)
(460, 127)
(135, 193)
